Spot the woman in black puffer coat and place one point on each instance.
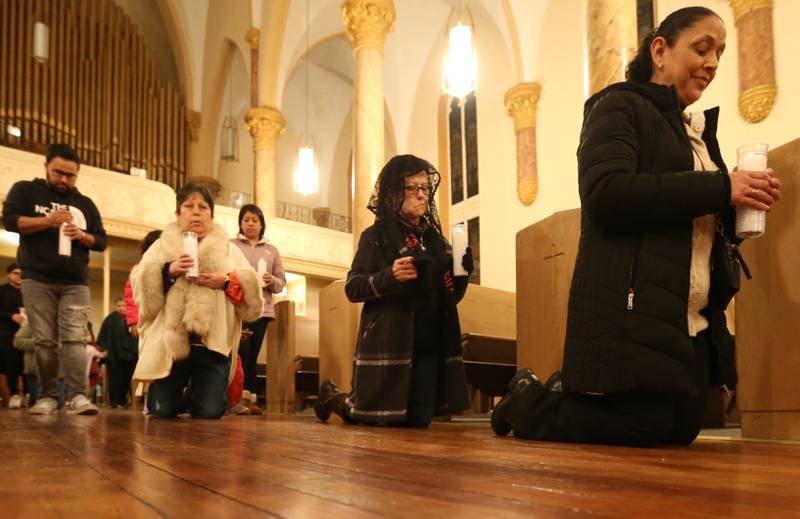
(646, 332)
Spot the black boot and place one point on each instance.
(330, 400)
(501, 416)
(555, 383)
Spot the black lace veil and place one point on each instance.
(388, 194)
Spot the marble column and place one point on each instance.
(611, 40)
(366, 23)
(521, 102)
(265, 124)
(253, 37)
(193, 156)
(757, 88)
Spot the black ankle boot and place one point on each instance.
(328, 400)
(555, 383)
(501, 416)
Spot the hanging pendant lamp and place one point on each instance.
(460, 68)
(306, 173)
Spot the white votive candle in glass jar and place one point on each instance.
(460, 240)
(190, 248)
(750, 223)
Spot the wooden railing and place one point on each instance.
(319, 216)
(98, 91)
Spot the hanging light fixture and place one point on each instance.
(460, 68)
(41, 42)
(230, 133)
(306, 173)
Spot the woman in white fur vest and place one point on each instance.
(189, 328)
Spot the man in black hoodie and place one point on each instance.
(55, 285)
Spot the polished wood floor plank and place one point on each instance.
(120, 463)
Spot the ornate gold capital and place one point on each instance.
(252, 37)
(742, 8)
(756, 103)
(521, 102)
(193, 120)
(266, 125)
(367, 22)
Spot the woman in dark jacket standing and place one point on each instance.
(646, 333)
(408, 366)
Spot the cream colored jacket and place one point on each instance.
(166, 320)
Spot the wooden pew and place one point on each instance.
(338, 327)
(281, 346)
(767, 310)
(546, 253)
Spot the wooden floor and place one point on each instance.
(121, 464)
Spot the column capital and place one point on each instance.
(367, 22)
(521, 102)
(193, 121)
(253, 35)
(266, 124)
(743, 7)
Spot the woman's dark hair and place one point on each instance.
(63, 151)
(641, 68)
(252, 208)
(192, 187)
(11, 266)
(149, 239)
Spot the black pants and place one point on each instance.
(422, 391)
(12, 363)
(635, 419)
(249, 350)
(120, 373)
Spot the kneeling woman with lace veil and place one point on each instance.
(408, 365)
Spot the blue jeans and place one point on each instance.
(198, 383)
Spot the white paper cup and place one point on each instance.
(751, 223)
(190, 248)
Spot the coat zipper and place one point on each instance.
(632, 277)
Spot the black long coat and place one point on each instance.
(627, 325)
(385, 346)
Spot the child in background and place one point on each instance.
(93, 356)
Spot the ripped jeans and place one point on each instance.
(58, 315)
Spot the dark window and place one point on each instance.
(644, 18)
(471, 141)
(474, 241)
(456, 154)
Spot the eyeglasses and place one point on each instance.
(65, 174)
(414, 190)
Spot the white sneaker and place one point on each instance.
(15, 402)
(81, 405)
(44, 405)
